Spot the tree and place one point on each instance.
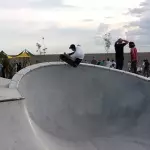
(107, 41)
(39, 46)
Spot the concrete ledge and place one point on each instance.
(24, 71)
(18, 76)
(120, 71)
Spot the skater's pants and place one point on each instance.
(119, 64)
(134, 66)
(68, 60)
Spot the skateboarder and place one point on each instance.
(74, 58)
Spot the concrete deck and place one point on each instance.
(84, 108)
(7, 94)
(4, 82)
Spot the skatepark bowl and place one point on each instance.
(84, 108)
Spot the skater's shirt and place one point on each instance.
(77, 54)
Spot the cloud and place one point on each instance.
(88, 20)
(46, 3)
(62, 22)
(14, 4)
(145, 3)
(138, 11)
(108, 17)
(25, 35)
(35, 4)
(141, 33)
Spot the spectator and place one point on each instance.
(37, 61)
(113, 64)
(85, 61)
(15, 68)
(28, 64)
(133, 53)
(108, 63)
(19, 67)
(99, 62)
(6, 68)
(103, 63)
(10, 73)
(119, 48)
(139, 69)
(1, 67)
(143, 64)
(94, 61)
(146, 68)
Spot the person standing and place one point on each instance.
(119, 49)
(19, 67)
(134, 58)
(15, 67)
(6, 68)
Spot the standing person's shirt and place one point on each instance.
(77, 54)
(133, 54)
(119, 48)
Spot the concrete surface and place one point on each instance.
(7, 94)
(84, 108)
(15, 131)
(4, 82)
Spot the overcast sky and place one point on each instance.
(23, 23)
